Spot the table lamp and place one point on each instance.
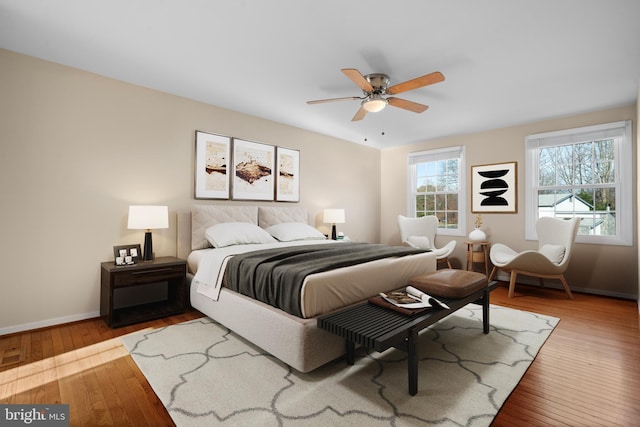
(148, 218)
(334, 216)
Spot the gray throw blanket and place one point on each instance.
(275, 276)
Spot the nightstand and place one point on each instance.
(142, 291)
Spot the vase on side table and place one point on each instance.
(477, 235)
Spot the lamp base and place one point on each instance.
(334, 235)
(148, 247)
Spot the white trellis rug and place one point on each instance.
(208, 376)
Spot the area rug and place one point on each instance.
(206, 375)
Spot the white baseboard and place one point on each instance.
(48, 322)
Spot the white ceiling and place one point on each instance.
(506, 62)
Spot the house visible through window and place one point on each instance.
(585, 173)
(435, 188)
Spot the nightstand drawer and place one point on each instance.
(148, 275)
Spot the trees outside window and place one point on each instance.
(586, 173)
(435, 188)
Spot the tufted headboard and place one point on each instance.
(204, 216)
(268, 216)
(192, 224)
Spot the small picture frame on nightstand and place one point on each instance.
(126, 254)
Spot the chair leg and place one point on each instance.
(512, 283)
(493, 273)
(443, 260)
(565, 285)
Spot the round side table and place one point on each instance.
(480, 256)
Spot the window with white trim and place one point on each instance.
(584, 172)
(435, 187)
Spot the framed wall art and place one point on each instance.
(287, 175)
(213, 155)
(253, 170)
(494, 188)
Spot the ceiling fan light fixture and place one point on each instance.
(374, 103)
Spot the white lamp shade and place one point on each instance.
(334, 216)
(148, 217)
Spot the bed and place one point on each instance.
(294, 339)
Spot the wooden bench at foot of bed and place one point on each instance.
(380, 328)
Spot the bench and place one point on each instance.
(379, 328)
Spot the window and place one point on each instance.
(435, 188)
(584, 172)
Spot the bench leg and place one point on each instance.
(412, 361)
(351, 350)
(485, 312)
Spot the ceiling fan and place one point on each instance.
(375, 86)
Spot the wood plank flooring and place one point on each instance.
(586, 374)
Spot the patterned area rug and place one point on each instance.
(207, 376)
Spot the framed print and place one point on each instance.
(127, 254)
(287, 175)
(253, 170)
(494, 188)
(213, 155)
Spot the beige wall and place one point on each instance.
(610, 270)
(77, 149)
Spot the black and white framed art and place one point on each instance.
(494, 188)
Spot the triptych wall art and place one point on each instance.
(228, 167)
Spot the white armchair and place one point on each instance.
(556, 238)
(421, 233)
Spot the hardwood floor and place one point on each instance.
(588, 371)
(586, 374)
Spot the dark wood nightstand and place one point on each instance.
(142, 291)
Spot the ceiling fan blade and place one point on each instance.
(418, 82)
(358, 79)
(407, 105)
(321, 101)
(359, 115)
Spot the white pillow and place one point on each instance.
(290, 231)
(555, 253)
(236, 233)
(420, 242)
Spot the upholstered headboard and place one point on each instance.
(192, 224)
(204, 216)
(271, 215)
